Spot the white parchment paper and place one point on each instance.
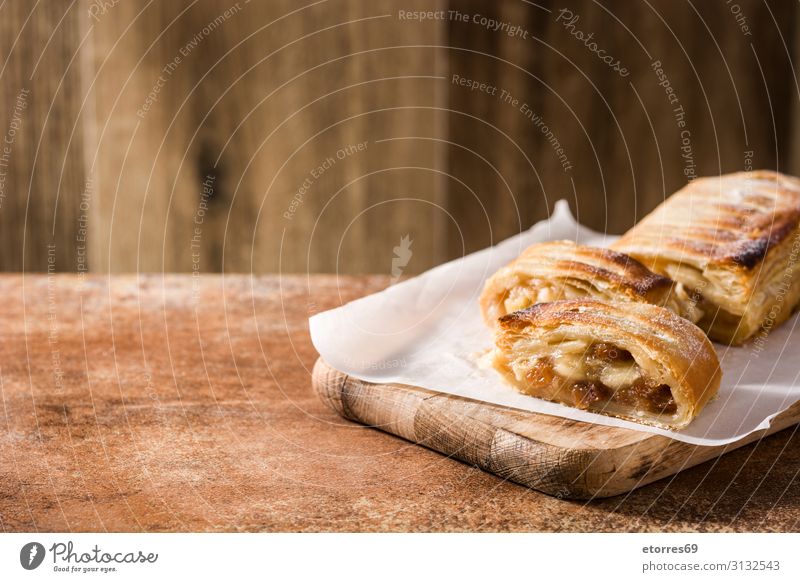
(428, 332)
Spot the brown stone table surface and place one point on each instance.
(180, 403)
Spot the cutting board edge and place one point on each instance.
(581, 473)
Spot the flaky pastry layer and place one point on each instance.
(733, 241)
(559, 270)
(632, 360)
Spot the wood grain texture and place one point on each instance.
(314, 124)
(620, 135)
(558, 456)
(133, 107)
(173, 403)
(42, 172)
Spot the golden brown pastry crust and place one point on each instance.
(560, 270)
(667, 348)
(732, 241)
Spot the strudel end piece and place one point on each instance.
(733, 241)
(630, 360)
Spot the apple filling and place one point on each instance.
(535, 291)
(598, 376)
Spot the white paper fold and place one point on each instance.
(428, 332)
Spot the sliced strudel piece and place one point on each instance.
(558, 270)
(636, 361)
(733, 241)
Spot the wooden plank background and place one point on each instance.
(42, 142)
(280, 136)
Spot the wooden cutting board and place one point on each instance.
(558, 456)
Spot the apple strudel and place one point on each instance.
(558, 270)
(733, 241)
(636, 361)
